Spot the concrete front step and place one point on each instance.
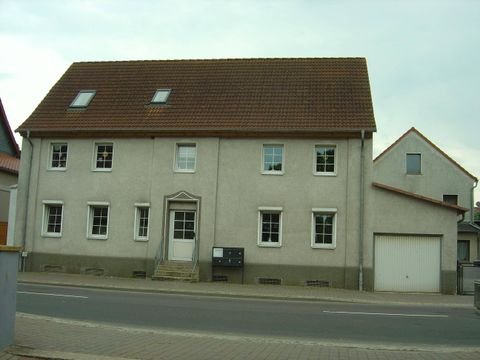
(174, 270)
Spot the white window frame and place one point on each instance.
(325, 173)
(326, 211)
(136, 236)
(45, 217)
(175, 160)
(90, 208)
(406, 164)
(273, 172)
(95, 153)
(50, 156)
(273, 210)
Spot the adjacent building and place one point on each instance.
(9, 164)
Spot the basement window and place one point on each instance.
(161, 96)
(83, 98)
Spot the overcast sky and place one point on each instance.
(423, 56)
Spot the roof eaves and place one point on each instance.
(459, 209)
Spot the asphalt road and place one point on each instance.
(316, 321)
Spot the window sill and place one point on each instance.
(324, 247)
(273, 173)
(141, 240)
(177, 171)
(325, 174)
(52, 235)
(57, 169)
(93, 237)
(269, 245)
(102, 170)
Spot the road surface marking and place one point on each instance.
(383, 314)
(47, 294)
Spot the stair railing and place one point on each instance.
(194, 253)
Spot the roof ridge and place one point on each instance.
(220, 59)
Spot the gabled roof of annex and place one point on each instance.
(413, 130)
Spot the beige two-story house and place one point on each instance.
(169, 167)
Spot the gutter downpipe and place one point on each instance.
(362, 215)
(472, 209)
(24, 240)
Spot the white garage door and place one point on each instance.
(407, 263)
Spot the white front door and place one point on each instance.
(181, 235)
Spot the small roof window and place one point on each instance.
(161, 96)
(83, 98)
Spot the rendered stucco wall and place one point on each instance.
(438, 175)
(143, 172)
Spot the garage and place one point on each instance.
(406, 263)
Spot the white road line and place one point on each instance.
(47, 294)
(384, 314)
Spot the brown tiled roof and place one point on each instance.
(244, 95)
(9, 163)
(458, 209)
(414, 130)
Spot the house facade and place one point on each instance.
(413, 163)
(134, 167)
(9, 164)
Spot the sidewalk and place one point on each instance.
(39, 337)
(238, 290)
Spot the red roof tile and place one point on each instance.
(248, 95)
(9, 163)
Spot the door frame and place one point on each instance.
(170, 254)
(179, 197)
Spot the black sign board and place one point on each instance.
(227, 256)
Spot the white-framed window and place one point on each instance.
(52, 218)
(325, 160)
(185, 157)
(270, 226)
(103, 156)
(58, 156)
(273, 159)
(414, 164)
(324, 228)
(98, 219)
(142, 221)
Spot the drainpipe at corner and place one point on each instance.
(472, 206)
(27, 198)
(361, 216)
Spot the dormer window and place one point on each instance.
(83, 98)
(161, 96)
